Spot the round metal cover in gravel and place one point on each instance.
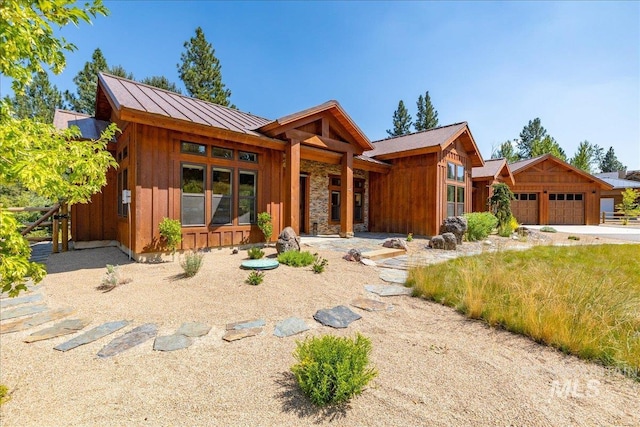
(260, 264)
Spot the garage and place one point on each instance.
(566, 208)
(525, 208)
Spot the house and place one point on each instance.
(215, 168)
(620, 181)
(551, 191)
(494, 171)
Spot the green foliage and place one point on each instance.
(610, 162)
(39, 100)
(427, 116)
(255, 252)
(161, 82)
(86, 84)
(119, 71)
(191, 263)
(506, 151)
(480, 225)
(586, 156)
(508, 229)
(547, 229)
(27, 40)
(500, 203)
(171, 232)
(319, 264)
(410, 237)
(573, 238)
(401, 121)
(255, 278)
(15, 252)
(112, 278)
(533, 131)
(629, 208)
(201, 73)
(331, 370)
(547, 145)
(4, 394)
(582, 300)
(296, 258)
(265, 225)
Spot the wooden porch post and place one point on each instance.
(292, 192)
(346, 205)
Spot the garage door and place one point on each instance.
(525, 208)
(566, 208)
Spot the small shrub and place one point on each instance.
(547, 229)
(4, 394)
(480, 225)
(331, 369)
(296, 259)
(319, 264)
(508, 228)
(191, 263)
(171, 232)
(410, 237)
(573, 238)
(255, 278)
(111, 279)
(255, 252)
(265, 225)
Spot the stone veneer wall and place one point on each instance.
(319, 195)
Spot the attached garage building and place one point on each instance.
(550, 191)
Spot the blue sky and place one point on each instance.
(576, 65)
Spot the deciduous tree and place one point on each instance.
(427, 116)
(401, 121)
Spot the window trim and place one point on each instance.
(239, 197)
(193, 195)
(191, 153)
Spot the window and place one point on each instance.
(193, 148)
(567, 197)
(460, 173)
(455, 200)
(248, 157)
(221, 192)
(335, 199)
(123, 184)
(223, 153)
(247, 197)
(451, 171)
(193, 187)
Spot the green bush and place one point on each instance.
(319, 264)
(508, 228)
(4, 393)
(410, 237)
(265, 225)
(255, 278)
(296, 259)
(171, 232)
(255, 252)
(191, 263)
(547, 229)
(331, 370)
(480, 225)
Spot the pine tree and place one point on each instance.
(39, 100)
(87, 82)
(610, 162)
(161, 82)
(118, 70)
(427, 116)
(586, 155)
(200, 71)
(533, 131)
(401, 121)
(506, 151)
(547, 145)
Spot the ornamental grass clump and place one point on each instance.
(296, 259)
(255, 252)
(191, 263)
(331, 370)
(319, 264)
(255, 278)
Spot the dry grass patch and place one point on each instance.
(583, 300)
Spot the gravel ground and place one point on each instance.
(435, 366)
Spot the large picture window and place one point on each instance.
(247, 185)
(455, 200)
(221, 194)
(193, 195)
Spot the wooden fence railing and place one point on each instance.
(56, 216)
(615, 218)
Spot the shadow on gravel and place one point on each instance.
(294, 401)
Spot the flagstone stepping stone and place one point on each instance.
(370, 304)
(336, 317)
(172, 342)
(260, 264)
(22, 311)
(388, 290)
(369, 262)
(10, 302)
(238, 334)
(245, 324)
(289, 327)
(92, 335)
(30, 322)
(129, 340)
(66, 327)
(30, 288)
(394, 276)
(193, 329)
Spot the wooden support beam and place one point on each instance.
(346, 206)
(320, 141)
(292, 186)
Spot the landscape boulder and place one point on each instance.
(353, 255)
(288, 241)
(395, 243)
(450, 240)
(436, 242)
(456, 225)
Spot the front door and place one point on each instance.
(303, 204)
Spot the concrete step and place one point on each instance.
(383, 253)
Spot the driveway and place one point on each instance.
(631, 234)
